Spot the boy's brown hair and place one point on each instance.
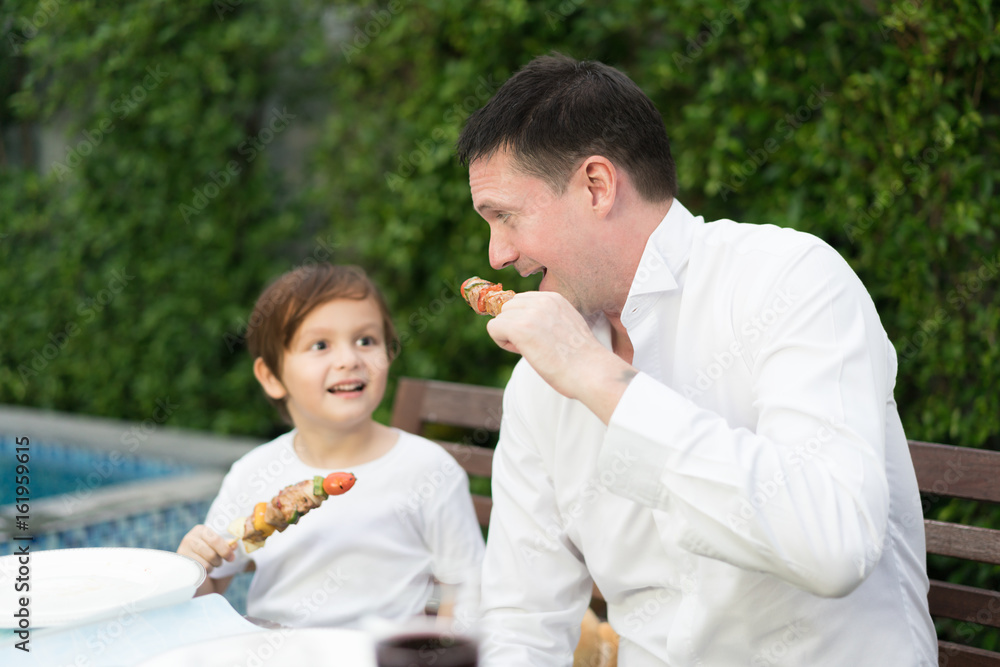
(287, 301)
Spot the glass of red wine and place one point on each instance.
(427, 642)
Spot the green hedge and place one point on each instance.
(874, 129)
(115, 294)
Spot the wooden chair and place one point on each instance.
(942, 470)
(973, 474)
(422, 402)
(419, 403)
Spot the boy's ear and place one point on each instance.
(268, 380)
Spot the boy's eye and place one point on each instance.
(366, 341)
(318, 345)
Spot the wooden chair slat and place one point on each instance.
(956, 655)
(462, 405)
(483, 507)
(959, 472)
(958, 602)
(972, 542)
(406, 408)
(477, 461)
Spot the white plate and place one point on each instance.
(315, 647)
(71, 586)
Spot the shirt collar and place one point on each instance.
(666, 252)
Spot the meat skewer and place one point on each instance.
(291, 504)
(486, 298)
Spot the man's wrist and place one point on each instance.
(604, 384)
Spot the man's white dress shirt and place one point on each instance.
(752, 501)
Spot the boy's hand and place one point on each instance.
(207, 547)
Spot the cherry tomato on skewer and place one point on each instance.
(337, 483)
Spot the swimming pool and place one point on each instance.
(90, 486)
(57, 469)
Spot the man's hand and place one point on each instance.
(554, 338)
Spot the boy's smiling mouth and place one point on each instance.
(346, 387)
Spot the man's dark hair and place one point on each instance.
(557, 111)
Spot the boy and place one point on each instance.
(322, 340)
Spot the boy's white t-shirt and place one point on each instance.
(370, 552)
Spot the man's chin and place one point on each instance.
(584, 309)
(546, 284)
(549, 285)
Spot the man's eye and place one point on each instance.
(503, 217)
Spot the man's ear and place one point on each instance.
(601, 182)
(268, 380)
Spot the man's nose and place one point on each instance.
(502, 251)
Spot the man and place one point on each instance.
(702, 422)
